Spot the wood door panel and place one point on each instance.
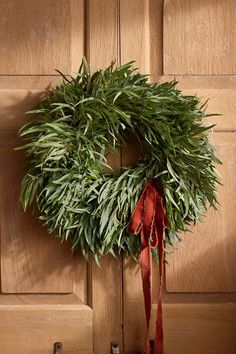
(199, 328)
(106, 302)
(19, 95)
(13, 106)
(45, 35)
(102, 33)
(205, 326)
(31, 260)
(105, 282)
(31, 324)
(207, 262)
(199, 37)
(141, 35)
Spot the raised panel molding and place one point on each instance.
(199, 37)
(31, 324)
(46, 35)
(31, 260)
(207, 261)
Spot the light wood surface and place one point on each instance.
(206, 262)
(102, 33)
(80, 277)
(32, 324)
(141, 40)
(30, 82)
(199, 328)
(192, 324)
(141, 35)
(134, 314)
(31, 260)
(19, 94)
(14, 104)
(199, 37)
(76, 35)
(43, 300)
(45, 36)
(105, 298)
(105, 282)
(203, 82)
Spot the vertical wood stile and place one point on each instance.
(141, 40)
(37, 37)
(44, 38)
(105, 282)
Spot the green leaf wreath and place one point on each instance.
(68, 179)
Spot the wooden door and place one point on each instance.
(196, 46)
(43, 296)
(48, 295)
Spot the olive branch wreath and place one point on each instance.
(71, 187)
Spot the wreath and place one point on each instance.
(78, 195)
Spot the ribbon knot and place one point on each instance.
(149, 220)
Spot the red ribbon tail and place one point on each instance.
(159, 340)
(146, 273)
(149, 218)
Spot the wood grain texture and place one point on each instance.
(199, 37)
(19, 94)
(102, 33)
(106, 301)
(38, 37)
(134, 313)
(199, 328)
(133, 302)
(207, 263)
(105, 282)
(31, 260)
(80, 280)
(60, 301)
(77, 35)
(141, 40)
(33, 324)
(192, 325)
(219, 90)
(141, 35)
(32, 82)
(13, 106)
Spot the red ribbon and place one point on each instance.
(149, 219)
